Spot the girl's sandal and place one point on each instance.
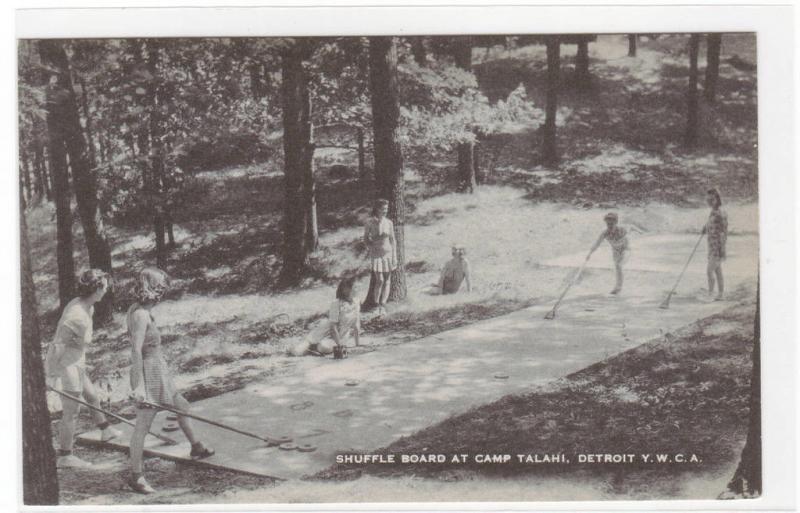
(140, 485)
(200, 451)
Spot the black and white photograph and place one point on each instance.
(390, 268)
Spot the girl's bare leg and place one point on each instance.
(378, 288)
(66, 428)
(618, 285)
(144, 419)
(186, 423)
(720, 281)
(387, 282)
(90, 394)
(710, 272)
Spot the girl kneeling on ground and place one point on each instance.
(151, 379)
(66, 361)
(344, 322)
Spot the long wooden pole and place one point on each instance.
(665, 304)
(552, 313)
(268, 439)
(163, 438)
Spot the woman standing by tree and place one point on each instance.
(151, 380)
(382, 253)
(66, 361)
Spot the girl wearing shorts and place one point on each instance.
(381, 251)
(151, 379)
(617, 237)
(66, 361)
(716, 230)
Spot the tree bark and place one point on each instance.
(310, 200)
(747, 478)
(549, 148)
(88, 120)
(84, 179)
(56, 128)
(23, 203)
(362, 168)
(39, 477)
(387, 150)
(418, 50)
(156, 160)
(297, 153)
(692, 106)
(462, 55)
(256, 82)
(42, 179)
(26, 176)
(582, 77)
(713, 48)
(632, 45)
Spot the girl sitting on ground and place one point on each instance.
(716, 230)
(455, 272)
(617, 237)
(66, 361)
(151, 380)
(343, 324)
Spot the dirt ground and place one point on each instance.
(226, 320)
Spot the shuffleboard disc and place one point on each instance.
(288, 446)
(306, 448)
(351, 383)
(170, 426)
(500, 375)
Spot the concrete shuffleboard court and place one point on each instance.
(369, 400)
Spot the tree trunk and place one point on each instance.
(256, 83)
(88, 119)
(103, 147)
(747, 478)
(156, 182)
(22, 202)
(296, 147)
(549, 149)
(480, 174)
(42, 180)
(362, 168)
(692, 106)
(26, 177)
(713, 47)
(632, 45)
(56, 128)
(386, 142)
(418, 50)
(310, 198)
(39, 477)
(83, 176)
(462, 55)
(582, 77)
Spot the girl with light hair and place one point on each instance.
(151, 379)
